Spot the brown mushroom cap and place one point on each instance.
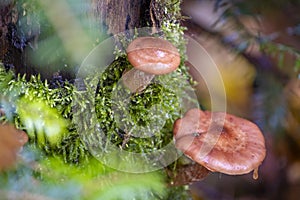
(153, 55)
(11, 140)
(237, 145)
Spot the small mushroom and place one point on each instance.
(11, 141)
(237, 145)
(151, 55)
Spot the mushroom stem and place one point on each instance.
(136, 80)
(187, 174)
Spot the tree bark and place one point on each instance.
(120, 15)
(12, 40)
(8, 19)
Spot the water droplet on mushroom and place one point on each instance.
(255, 174)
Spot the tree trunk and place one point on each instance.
(8, 20)
(119, 15)
(5, 19)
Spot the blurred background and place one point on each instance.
(255, 45)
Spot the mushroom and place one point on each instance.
(149, 56)
(11, 142)
(236, 146)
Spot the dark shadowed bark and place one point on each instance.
(8, 20)
(119, 15)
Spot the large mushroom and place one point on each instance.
(149, 56)
(220, 142)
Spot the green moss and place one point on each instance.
(157, 107)
(44, 113)
(169, 14)
(180, 192)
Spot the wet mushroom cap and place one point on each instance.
(153, 55)
(220, 142)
